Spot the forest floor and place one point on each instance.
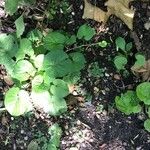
(94, 123)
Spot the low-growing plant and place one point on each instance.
(40, 68)
(124, 50)
(132, 101)
(95, 71)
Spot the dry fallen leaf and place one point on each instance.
(119, 8)
(93, 12)
(143, 71)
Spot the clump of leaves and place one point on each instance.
(128, 103)
(124, 50)
(131, 101)
(49, 72)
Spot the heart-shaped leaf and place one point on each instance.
(17, 102)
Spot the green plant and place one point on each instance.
(120, 62)
(41, 78)
(50, 142)
(140, 60)
(85, 32)
(130, 102)
(103, 44)
(95, 71)
(124, 49)
(123, 46)
(11, 7)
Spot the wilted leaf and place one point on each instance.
(142, 71)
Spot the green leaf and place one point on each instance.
(120, 43)
(140, 60)
(53, 58)
(35, 35)
(8, 44)
(17, 102)
(58, 106)
(129, 46)
(54, 41)
(25, 48)
(23, 69)
(42, 99)
(143, 92)
(120, 62)
(72, 78)
(103, 44)
(20, 27)
(38, 61)
(128, 103)
(59, 88)
(78, 61)
(11, 7)
(71, 40)
(56, 132)
(6, 60)
(147, 125)
(49, 104)
(85, 32)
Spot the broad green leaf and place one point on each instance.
(56, 132)
(49, 104)
(23, 69)
(42, 100)
(54, 41)
(78, 61)
(120, 43)
(8, 44)
(17, 102)
(20, 27)
(120, 62)
(6, 60)
(60, 69)
(63, 68)
(38, 61)
(25, 48)
(72, 78)
(57, 106)
(128, 103)
(59, 88)
(11, 6)
(143, 92)
(140, 60)
(85, 32)
(147, 125)
(71, 40)
(54, 57)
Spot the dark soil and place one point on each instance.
(86, 127)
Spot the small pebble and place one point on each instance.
(73, 13)
(22, 131)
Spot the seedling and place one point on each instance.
(130, 102)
